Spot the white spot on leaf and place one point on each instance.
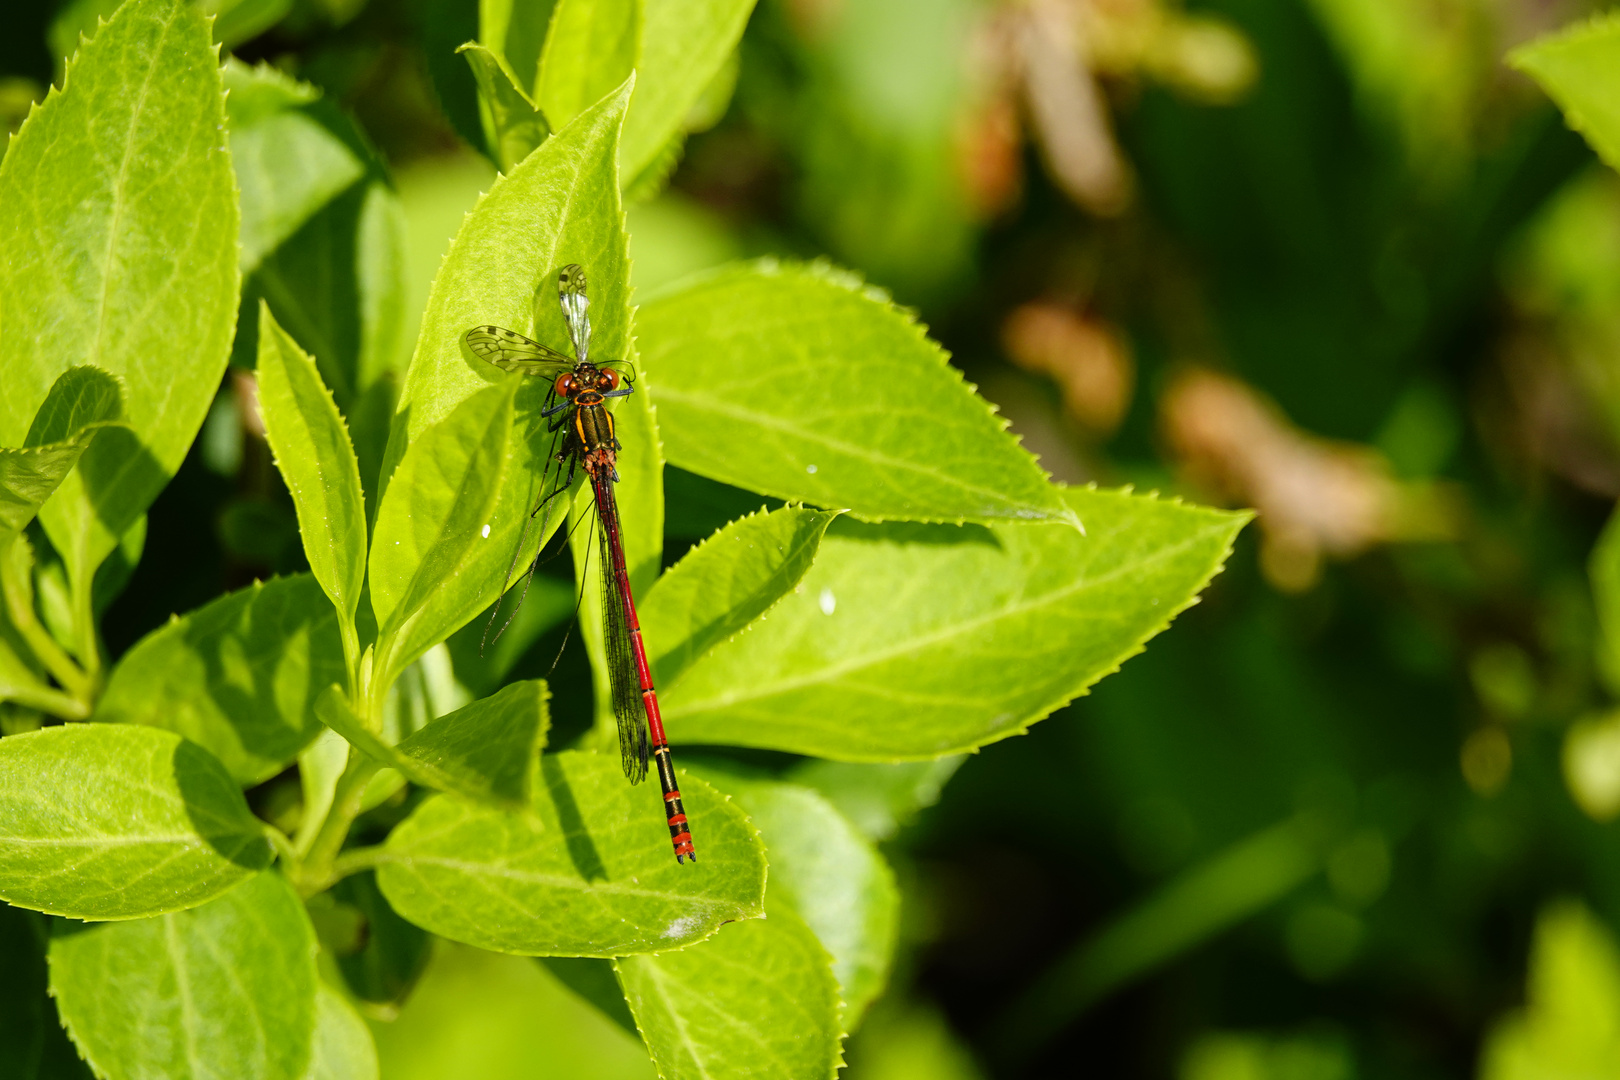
(679, 927)
(486, 532)
(829, 602)
(810, 468)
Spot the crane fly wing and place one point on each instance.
(511, 351)
(575, 304)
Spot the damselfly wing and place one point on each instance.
(583, 438)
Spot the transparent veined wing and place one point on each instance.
(511, 351)
(571, 294)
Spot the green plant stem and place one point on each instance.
(48, 700)
(84, 618)
(316, 874)
(49, 653)
(355, 860)
(284, 846)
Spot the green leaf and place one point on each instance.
(1571, 1023)
(513, 124)
(831, 876)
(488, 750)
(238, 676)
(31, 474)
(589, 874)
(878, 799)
(288, 165)
(725, 583)
(395, 952)
(798, 382)
(430, 564)
(759, 997)
(898, 642)
(684, 45)
(315, 457)
(1579, 67)
(99, 821)
(590, 48)
(119, 223)
(516, 32)
(560, 205)
(342, 1048)
(484, 751)
(227, 989)
(1604, 569)
(593, 979)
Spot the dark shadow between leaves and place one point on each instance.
(216, 808)
(581, 848)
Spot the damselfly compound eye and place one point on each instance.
(565, 384)
(607, 380)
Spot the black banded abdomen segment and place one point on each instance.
(680, 834)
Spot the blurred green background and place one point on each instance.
(1332, 259)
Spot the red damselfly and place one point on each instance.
(583, 438)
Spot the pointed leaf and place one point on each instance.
(831, 876)
(592, 876)
(513, 125)
(316, 459)
(488, 750)
(116, 822)
(725, 583)
(81, 402)
(342, 1048)
(119, 223)
(800, 383)
(288, 165)
(590, 48)
(684, 44)
(901, 640)
(238, 676)
(227, 989)
(1579, 67)
(759, 996)
(430, 569)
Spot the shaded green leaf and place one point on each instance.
(131, 263)
(1604, 569)
(1579, 67)
(317, 461)
(342, 1048)
(226, 989)
(878, 799)
(81, 402)
(590, 48)
(516, 31)
(684, 44)
(101, 821)
(918, 641)
(798, 382)
(760, 993)
(589, 874)
(725, 583)
(593, 979)
(430, 569)
(482, 665)
(395, 952)
(513, 124)
(238, 676)
(288, 165)
(831, 876)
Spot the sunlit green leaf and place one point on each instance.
(725, 583)
(288, 165)
(799, 382)
(487, 750)
(239, 675)
(913, 641)
(1579, 67)
(434, 530)
(226, 989)
(589, 874)
(317, 461)
(831, 876)
(103, 821)
(515, 30)
(590, 48)
(760, 993)
(513, 124)
(80, 403)
(119, 223)
(342, 1048)
(684, 43)
(560, 205)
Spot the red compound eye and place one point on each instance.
(607, 379)
(565, 384)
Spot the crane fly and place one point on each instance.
(583, 438)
